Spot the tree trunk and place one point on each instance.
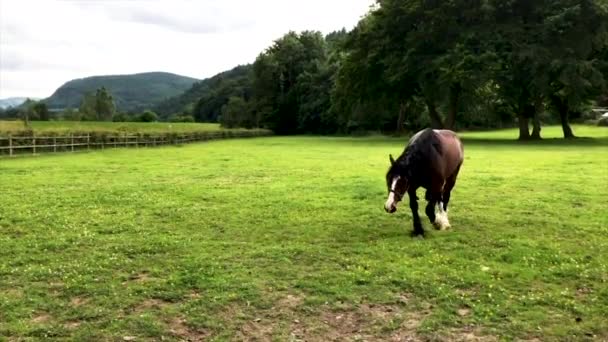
(401, 119)
(455, 91)
(524, 130)
(563, 116)
(563, 109)
(435, 118)
(538, 108)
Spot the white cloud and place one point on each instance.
(46, 43)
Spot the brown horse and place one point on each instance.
(432, 159)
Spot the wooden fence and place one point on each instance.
(13, 145)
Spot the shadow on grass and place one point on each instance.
(579, 141)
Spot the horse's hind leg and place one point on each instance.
(447, 190)
(443, 206)
(439, 219)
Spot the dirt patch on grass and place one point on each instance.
(469, 333)
(71, 325)
(288, 319)
(78, 301)
(138, 278)
(150, 304)
(179, 328)
(41, 318)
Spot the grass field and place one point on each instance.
(286, 238)
(95, 126)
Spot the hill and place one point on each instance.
(131, 92)
(215, 89)
(12, 102)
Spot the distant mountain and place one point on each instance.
(13, 102)
(216, 89)
(131, 92)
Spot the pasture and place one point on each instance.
(286, 238)
(60, 127)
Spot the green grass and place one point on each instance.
(548, 132)
(286, 237)
(94, 126)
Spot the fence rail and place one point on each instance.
(13, 145)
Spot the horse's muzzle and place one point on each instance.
(391, 210)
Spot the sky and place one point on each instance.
(46, 43)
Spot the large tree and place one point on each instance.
(576, 35)
(98, 106)
(284, 78)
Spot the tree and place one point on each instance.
(41, 111)
(88, 107)
(406, 50)
(219, 89)
(576, 36)
(235, 113)
(148, 116)
(104, 105)
(292, 59)
(97, 106)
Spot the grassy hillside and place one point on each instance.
(285, 238)
(130, 92)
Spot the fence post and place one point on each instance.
(54, 144)
(10, 145)
(72, 141)
(137, 141)
(33, 144)
(88, 141)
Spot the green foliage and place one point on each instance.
(292, 82)
(181, 118)
(88, 107)
(203, 241)
(204, 100)
(130, 92)
(220, 88)
(121, 117)
(104, 105)
(236, 113)
(98, 106)
(148, 116)
(40, 111)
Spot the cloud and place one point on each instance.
(62, 40)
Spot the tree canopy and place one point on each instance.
(409, 64)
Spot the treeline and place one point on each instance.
(410, 64)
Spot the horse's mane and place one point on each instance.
(425, 146)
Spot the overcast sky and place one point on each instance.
(45, 43)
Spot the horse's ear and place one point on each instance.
(390, 157)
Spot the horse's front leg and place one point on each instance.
(418, 230)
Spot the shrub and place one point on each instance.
(148, 116)
(181, 118)
(120, 117)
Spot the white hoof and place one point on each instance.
(441, 221)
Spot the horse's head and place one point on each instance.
(396, 184)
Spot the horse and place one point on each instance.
(432, 159)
